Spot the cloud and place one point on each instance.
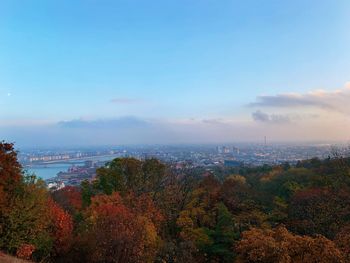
(135, 130)
(290, 100)
(125, 101)
(127, 130)
(335, 101)
(260, 116)
(119, 123)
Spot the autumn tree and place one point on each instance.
(342, 240)
(122, 230)
(69, 198)
(198, 212)
(31, 225)
(23, 208)
(61, 227)
(27, 219)
(208, 224)
(280, 246)
(10, 174)
(234, 192)
(238, 197)
(171, 201)
(319, 211)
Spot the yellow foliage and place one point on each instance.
(237, 178)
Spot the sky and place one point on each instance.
(97, 72)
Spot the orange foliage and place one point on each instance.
(121, 233)
(144, 206)
(281, 246)
(25, 251)
(342, 240)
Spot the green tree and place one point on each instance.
(222, 236)
(27, 221)
(129, 174)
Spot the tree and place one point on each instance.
(121, 233)
(223, 236)
(23, 209)
(198, 213)
(26, 221)
(10, 174)
(319, 211)
(25, 251)
(61, 227)
(31, 224)
(69, 198)
(154, 173)
(86, 193)
(238, 197)
(208, 224)
(342, 240)
(234, 192)
(280, 246)
(129, 174)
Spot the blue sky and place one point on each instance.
(175, 67)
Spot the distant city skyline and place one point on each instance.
(143, 72)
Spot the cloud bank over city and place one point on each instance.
(327, 118)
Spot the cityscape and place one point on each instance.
(75, 166)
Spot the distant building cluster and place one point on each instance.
(227, 149)
(48, 158)
(76, 174)
(33, 157)
(178, 157)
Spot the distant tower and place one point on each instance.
(265, 140)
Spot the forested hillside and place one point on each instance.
(143, 211)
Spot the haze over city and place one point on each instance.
(129, 72)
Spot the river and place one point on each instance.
(46, 171)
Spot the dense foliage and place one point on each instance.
(142, 211)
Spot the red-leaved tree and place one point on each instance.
(61, 227)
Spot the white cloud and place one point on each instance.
(330, 101)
